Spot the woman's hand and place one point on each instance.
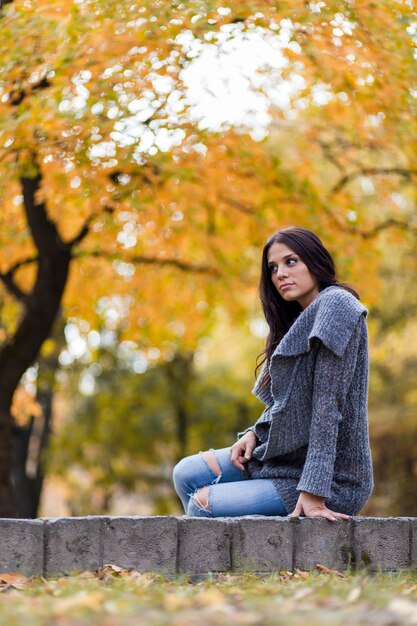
(242, 449)
(313, 506)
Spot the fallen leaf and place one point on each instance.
(114, 568)
(354, 594)
(51, 587)
(226, 577)
(86, 575)
(18, 581)
(143, 579)
(109, 571)
(325, 570)
(409, 590)
(301, 573)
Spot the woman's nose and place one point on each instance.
(282, 272)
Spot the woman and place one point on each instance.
(308, 453)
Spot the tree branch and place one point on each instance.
(237, 205)
(145, 260)
(7, 278)
(21, 263)
(13, 288)
(388, 223)
(19, 93)
(371, 232)
(373, 171)
(328, 154)
(44, 232)
(85, 229)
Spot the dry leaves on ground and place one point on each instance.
(13, 581)
(113, 596)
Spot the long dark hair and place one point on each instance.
(279, 314)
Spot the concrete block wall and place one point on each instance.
(170, 545)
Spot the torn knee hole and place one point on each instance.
(201, 499)
(211, 461)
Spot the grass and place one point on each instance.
(113, 596)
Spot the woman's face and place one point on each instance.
(291, 276)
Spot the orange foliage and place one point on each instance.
(174, 232)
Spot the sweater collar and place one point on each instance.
(330, 317)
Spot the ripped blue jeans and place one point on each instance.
(229, 494)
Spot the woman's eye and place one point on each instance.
(273, 269)
(291, 261)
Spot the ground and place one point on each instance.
(116, 597)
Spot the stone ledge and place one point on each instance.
(168, 544)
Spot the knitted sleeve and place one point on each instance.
(332, 378)
(262, 419)
(243, 432)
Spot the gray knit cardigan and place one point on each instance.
(313, 435)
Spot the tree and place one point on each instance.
(106, 175)
(88, 178)
(33, 411)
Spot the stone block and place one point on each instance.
(204, 545)
(262, 544)
(21, 546)
(382, 543)
(143, 543)
(413, 547)
(318, 540)
(72, 544)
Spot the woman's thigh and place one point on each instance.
(247, 497)
(229, 494)
(194, 472)
(228, 472)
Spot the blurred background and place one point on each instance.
(147, 150)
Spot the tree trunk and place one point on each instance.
(180, 373)
(28, 444)
(40, 309)
(6, 494)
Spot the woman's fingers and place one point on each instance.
(249, 450)
(341, 515)
(238, 464)
(235, 461)
(297, 511)
(331, 515)
(327, 514)
(237, 456)
(242, 450)
(314, 506)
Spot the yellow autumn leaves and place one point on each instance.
(114, 596)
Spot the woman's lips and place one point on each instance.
(285, 286)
